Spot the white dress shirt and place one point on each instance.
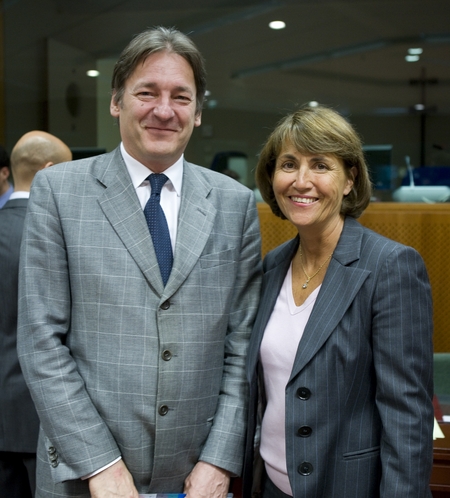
(170, 193)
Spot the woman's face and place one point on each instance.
(309, 188)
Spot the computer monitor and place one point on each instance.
(379, 159)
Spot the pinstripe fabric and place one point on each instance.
(366, 357)
(19, 423)
(92, 332)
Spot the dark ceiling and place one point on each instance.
(349, 54)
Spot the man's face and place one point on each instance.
(157, 112)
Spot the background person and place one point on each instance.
(140, 384)
(6, 189)
(19, 422)
(343, 334)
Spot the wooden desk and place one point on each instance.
(440, 476)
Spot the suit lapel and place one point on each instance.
(340, 286)
(121, 207)
(272, 281)
(195, 223)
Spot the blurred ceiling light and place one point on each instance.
(419, 107)
(313, 103)
(277, 25)
(412, 58)
(415, 51)
(93, 73)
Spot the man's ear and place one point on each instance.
(114, 107)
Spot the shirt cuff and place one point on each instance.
(92, 474)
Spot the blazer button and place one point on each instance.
(304, 431)
(163, 410)
(51, 450)
(303, 393)
(166, 355)
(305, 469)
(165, 305)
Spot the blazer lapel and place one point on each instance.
(195, 223)
(272, 282)
(340, 286)
(121, 207)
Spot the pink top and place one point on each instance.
(278, 350)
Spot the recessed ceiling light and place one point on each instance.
(412, 58)
(415, 51)
(93, 73)
(277, 25)
(313, 103)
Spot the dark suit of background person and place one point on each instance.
(359, 414)
(118, 364)
(19, 423)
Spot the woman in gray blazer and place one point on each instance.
(340, 360)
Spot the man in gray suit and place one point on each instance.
(139, 383)
(19, 422)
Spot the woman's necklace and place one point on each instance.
(308, 278)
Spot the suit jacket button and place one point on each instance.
(51, 450)
(305, 469)
(54, 464)
(304, 431)
(303, 393)
(165, 305)
(166, 355)
(163, 410)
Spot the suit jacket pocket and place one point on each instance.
(364, 453)
(217, 259)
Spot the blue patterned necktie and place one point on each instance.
(157, 225)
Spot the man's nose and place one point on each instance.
(163, 109)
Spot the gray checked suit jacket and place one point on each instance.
(116, 363)
(19, 423)
(361, 386)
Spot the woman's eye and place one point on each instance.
(288, 166)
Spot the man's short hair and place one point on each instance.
(153, 40)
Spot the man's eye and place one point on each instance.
(183, 98)
(145, 95)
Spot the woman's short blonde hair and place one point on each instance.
(317, 130)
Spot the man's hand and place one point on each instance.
(207, 481)
(113, 482)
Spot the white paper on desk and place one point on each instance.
(437, 431)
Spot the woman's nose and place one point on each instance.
(302, 178)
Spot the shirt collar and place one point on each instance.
(139, 173)
(19, 194)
